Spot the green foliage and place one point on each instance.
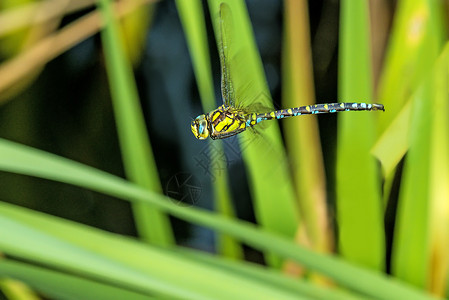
(63, 259)
(359, 213)
(136, 149)
(305, 153)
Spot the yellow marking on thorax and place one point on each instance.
(326, 106)
(289, 111)
(342, 105)
(234, 126)
(215, 115)
(308, 108)
(272, 114)
(219, 127)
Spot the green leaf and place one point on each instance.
(62, 285)
(415, 43)
(410, 253)
(359, 209)
(96, 256)
(137, 156)
(422, 207)
(305, 153)
(16, 290)
(270, 276)
(192, 19)
(439, 177)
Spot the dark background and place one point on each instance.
(67, 111)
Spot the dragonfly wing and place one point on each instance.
(238, 85)
(224, 43)
(258, 106)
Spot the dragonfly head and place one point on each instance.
(200, 127)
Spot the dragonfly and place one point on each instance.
(230, 118)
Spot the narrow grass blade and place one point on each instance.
(394, 137)
(416, 40)
(192, 18)
(98, 256)
(153, 226)
(439, 178)
(28, 161)
(23, 241)
(135, 26)
(305, 152)
(421, 258)
(359, 209)
(13, 43)
(271, 276)
(15, 289)
(226, 244)
(410, 253)
(270, 183)
(59, 285)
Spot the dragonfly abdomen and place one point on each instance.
(327, 108)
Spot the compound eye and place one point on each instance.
(202, 126)
(199, 127)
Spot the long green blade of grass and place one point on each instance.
(423, 43)
(422, 207)
(90, 239)
(135, 27)
(359, 209)
(192, 18)
(15, 289)
(147, 271)
(305, 152)
(190, 12)
(410, 253)
(271, 276)
(60, 285)
(416, 40)
(25, 160)
(270, 183)
(439, 178)
(26, 242)
(415, 44)
(162, 268)
(137, 156)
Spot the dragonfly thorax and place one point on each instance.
(219, 123)
(200, 127)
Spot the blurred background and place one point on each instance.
(65, 108)
(55, 96)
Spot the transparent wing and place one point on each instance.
(238, 87)
(224, 42)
